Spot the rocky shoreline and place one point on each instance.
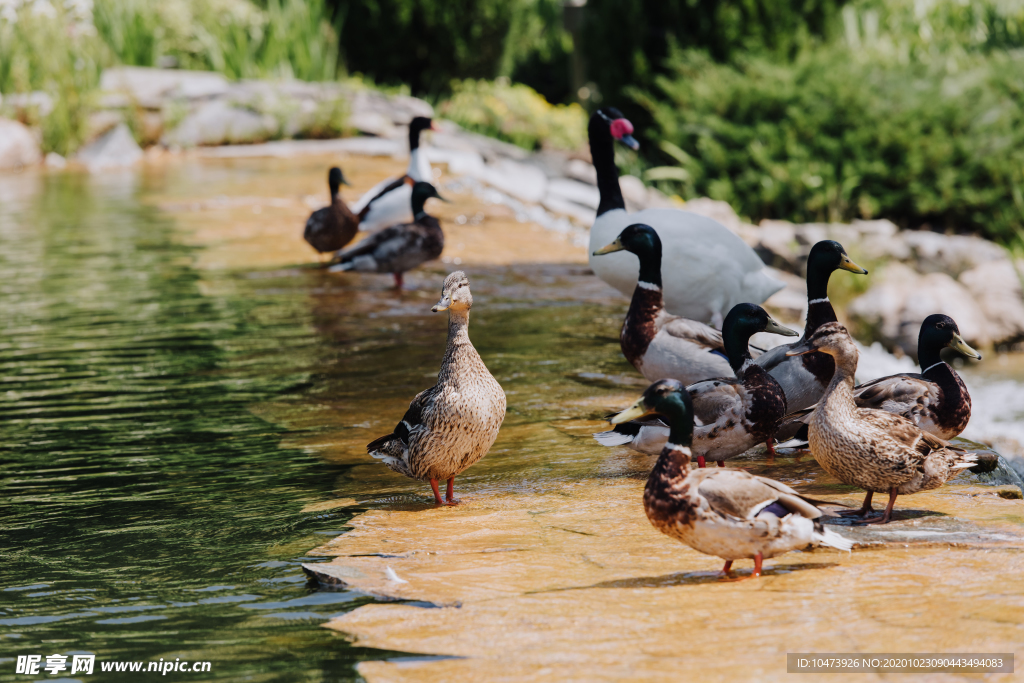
(914, 272)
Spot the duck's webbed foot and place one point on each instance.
(449, 498)
(887, 514)
(865, 508)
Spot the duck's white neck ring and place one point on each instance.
(648, 285)
(933, 365)
(676, 447)
(823, 300)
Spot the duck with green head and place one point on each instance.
(733, 414)
(657, 343)
(804, 378)
(728, 513)
(401, 247)
(936, 399)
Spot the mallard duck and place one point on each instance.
(733, 414)
(658, 344)
(873, 449)
(401, 247)
(712, 268)
(453, 424)
(334, 226)
(723, 512)
(936, 400)
(387, 203)
(804, 378)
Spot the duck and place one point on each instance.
(727, 513)
(453, 424)
(713, 269)
(733, 414)
(936, 399)
(804, 378)
(334, 226)
(399, 248)
(875, 450)
(387, 203)
(658, 344)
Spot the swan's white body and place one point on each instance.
(706, 268)
(394, 206)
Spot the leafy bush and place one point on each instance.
(879, 126)
(516, 113)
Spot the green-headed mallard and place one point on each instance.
(401, 247)
(936, 400)
(334, 226)
(804, 378)
(451, 425)
(873, 449)
(733, 413)
(658, 344)
(724, 512)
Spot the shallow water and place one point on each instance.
(185, 404)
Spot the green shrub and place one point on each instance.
(516, 113)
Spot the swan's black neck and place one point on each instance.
(602, 152)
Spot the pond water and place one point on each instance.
(185, 404)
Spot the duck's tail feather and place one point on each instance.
(613, 438)
(825, 536)
(793, 443)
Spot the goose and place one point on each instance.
(398, 248)
(387, 203)
(936, 400)
(733, 413)
(727, 513)
(660, 345)
(712, 268)
(872, 449)
(453, 424)
(334, 226)
(804, 378)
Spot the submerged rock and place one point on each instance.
(115, 149)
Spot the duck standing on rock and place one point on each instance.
(453, 424)
(399, 248)
(936, 400)
(387, 203)
(804, 378)
(712, 268)
(873, 449)
(733, 414)
(334, 226)
(658, 344)
(728, 513)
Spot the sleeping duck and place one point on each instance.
(723, 512)
(387, 203)
(401, 247)
(660, 345)
(936, 400)
(873, 449)
(453, 424)
(733, 414)
(804, 378)
(334, 226)
(712, 268)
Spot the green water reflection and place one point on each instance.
(152, 489)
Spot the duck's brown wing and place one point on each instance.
(693, 331)
(738, 494)
(413, 418)
(904, 394)
(712, 397)
(902, 430)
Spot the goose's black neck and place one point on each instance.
(602, 152)
(414, 137)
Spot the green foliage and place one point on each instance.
(516, 113)
(837, 134)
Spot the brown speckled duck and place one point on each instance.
(804, 378)
(658, 344)
(873, 449)
(453, 424)
(334, 226)
(724, 512)
(733, 413)
(936, 399)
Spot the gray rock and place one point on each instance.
(114, 149)
(18, 146)
(574, 191)
(522, 181)
(580, 214)
(580, 170)
(717, 210)
(900, 300)
(951, 254)
(634, 192)
(379, 147)
(996, 287)
(217, 123)
(38, 100)
(54, 160)
(459, 162)
(150, 88)
(790, 302)
(374, 123)
(101, 121)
